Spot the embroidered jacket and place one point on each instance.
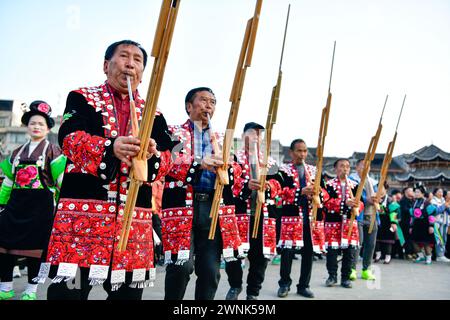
(335, 198)
(292, 190)
(244, 201)
(89, 218)
(178, 196)
(296, 206)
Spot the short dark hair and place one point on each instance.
(190, 96)
(294, 142)
(406, 188)
(339, 160)
(359, 161)
(395, 191)
(112, 49)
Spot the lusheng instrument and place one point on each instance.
(245, 59)
(271, 120)
(370, 155)
(160, 51)
(321, 146)
(386, 162)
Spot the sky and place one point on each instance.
(393, 47)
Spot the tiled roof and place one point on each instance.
(428, 153)
(425, 174)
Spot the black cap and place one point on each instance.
(192, 92)
(253, 125)
(41, 108)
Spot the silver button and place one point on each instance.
(103, 166)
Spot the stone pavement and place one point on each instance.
(400, 279)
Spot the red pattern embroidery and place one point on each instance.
(165, 164)
(275, 188)
(176, 229)
(269, 236)
(288, 195)
(84, 232)
(85, 151)
(243, 224)
(333, 234)
(229, 228)
(184, 158)
(318, 236)
(238, 180)
(244, 174)
(292, 230)
(139, 251)
(353, 240)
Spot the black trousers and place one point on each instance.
(307, 253)
(159, 251)
(347, 258)
(408, 246)
(279, 212)
(204, 258)
(7, 263)
(80, 288)
(385, 248)
(257, 264)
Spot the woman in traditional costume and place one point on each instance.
(33, 174)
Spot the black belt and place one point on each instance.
(201, 196)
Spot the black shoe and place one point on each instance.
(251, 297)
(331, 281)
(283, 292)
(306, 292)
(233, 293)
(346, 283)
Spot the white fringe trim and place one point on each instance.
(96, 281)
(138, 285)
(116, 286)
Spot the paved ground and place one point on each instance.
(398, 280)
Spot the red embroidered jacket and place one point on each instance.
(186, 171)
(94, 188)
(334, 199)
(241, 191)
(292, 191)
